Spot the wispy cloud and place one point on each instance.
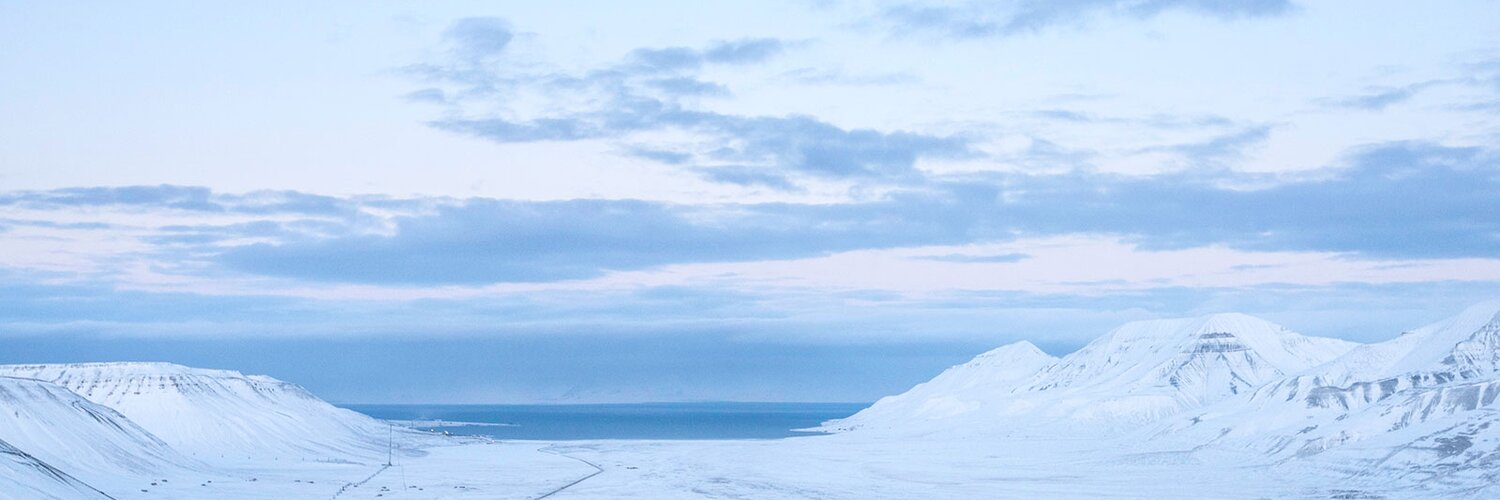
(1384, 97)
(832, 76)
(776, 145)
(1005, 258)
(187, 198)
(1215, 151)
(655, 89)
(477, 38)
(1009, 18)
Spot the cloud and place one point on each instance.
(187, 198)
(1376, 101)
(747, 51)
(476, 38)
(1384, 97)
(672, 59)
(426, 95)
(1044, 154)
(1149, 142)
(1400, 200)
(1215, 151)
(748, 177)
(780, 316)
(1002, 19)
(658, 155)
(1159, 120)
(659, 89)
(778, 145)
(684, 86)
(1404, 200)
(831, 76)
(165, 196)
(604, 342)
(489, 241)
(55, 225)
(259, 230)
(1065, 115)
(977, 259)
(807, 145)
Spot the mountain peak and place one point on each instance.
(1019, 350)
(960, 389)
(1419, 384)
(1147, 369)
(1139, 371)
(1471, 338)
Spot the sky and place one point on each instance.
(811, 200)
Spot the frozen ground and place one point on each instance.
(840, 466)
(448, 469)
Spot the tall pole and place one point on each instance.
(390, 437)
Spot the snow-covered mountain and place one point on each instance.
(57, 427)
(1139, 372)
(958, 390)
(1146, 370)
(220, 415)
(24, 477)
(1424, 403)
(1226, 394)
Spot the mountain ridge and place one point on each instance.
(206, 413)
(1138, 372)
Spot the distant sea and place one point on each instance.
(616, 421)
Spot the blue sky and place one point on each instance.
(805, 200)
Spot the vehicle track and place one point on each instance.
(597, 471)
(361, 482)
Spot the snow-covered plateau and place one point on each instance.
(1219, 406)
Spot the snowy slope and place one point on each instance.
(1425, 398)
(1147, 370)
(24, 477)
(220, 415)
(1139, 372)
(79, 437)
(958, 390)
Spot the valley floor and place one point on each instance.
(845, 466)
(833, 467)
(445, 469)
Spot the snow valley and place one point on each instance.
(1219, 406)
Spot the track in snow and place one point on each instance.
(361, 482)
(597, 471)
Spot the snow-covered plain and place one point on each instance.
(1220, 406)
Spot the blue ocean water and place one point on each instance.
(618, 421)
